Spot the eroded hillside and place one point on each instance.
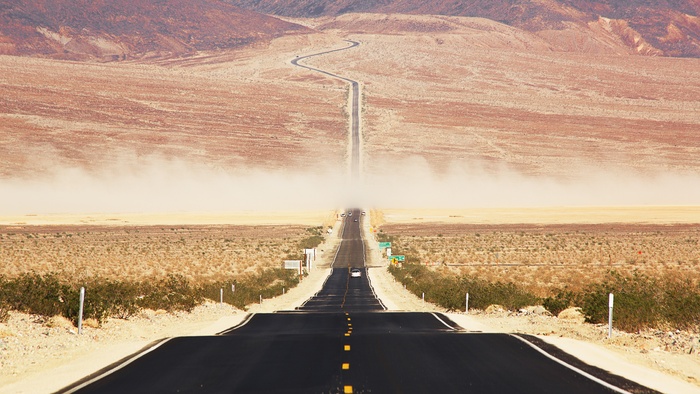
(648, 28)
(121, 29)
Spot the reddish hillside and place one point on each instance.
(117, 29)
(663, 27)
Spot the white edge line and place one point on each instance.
(342, 230)
(118, 367)
(571, 367)
(443, 322)
(236, 327)
(364, 264)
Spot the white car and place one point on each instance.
(355, 273)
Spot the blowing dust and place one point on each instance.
(159, 185)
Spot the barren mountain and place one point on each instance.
(670, 28)
(119, 29)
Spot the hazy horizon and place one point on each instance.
(162, 185)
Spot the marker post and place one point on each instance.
(610, 314)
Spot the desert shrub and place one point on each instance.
(267, 283)
(47, 295)
(4, 303)
(637, 302)
(640, 301)
(506, 294)
(43, 295)
(682, 304)
(310, 242)
(315, 239)
(449, 292)
(561, 299)
(109, 298)
(384, 237)
(4, 311)
(173, 293)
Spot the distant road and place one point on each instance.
(355, 112)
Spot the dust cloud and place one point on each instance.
(158, 185)
(413, 184)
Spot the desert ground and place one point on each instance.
(43, 356)
(496, 127)
(456, 112)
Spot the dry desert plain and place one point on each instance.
(456, 112)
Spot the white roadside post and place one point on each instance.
(466, 305)
(221, 296)
(610, 314)
(80, 313)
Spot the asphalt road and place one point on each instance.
(340, 341)
(355, 105)
(341, 292)
(343, 341)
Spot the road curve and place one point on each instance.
(355, 111)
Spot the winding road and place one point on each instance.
(355, 109)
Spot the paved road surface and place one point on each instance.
(340, 341)
(355, 117)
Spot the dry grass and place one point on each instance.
(541, 258)
(199, 253)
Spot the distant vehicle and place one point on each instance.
(349, 213)
(342, 215)
(363, 212)
(355, 273)
(355, 219)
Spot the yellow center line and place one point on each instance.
(346, 366)
(347, 287)
(346, 348)
(347, 390)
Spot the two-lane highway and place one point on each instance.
(342, 341)
(341, 292)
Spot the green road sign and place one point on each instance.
(397, 259)
(384, 245)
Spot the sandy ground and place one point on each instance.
(547, 215)
(203, 218)
(39, 358)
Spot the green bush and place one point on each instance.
(173, 293)
(268, 283)
(315, 239)
(643, 302)
(560, 300)
(43, 295)
(108, 298)
(47, 295)
(449, 292)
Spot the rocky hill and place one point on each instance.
(663, 27)
(120, 29)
